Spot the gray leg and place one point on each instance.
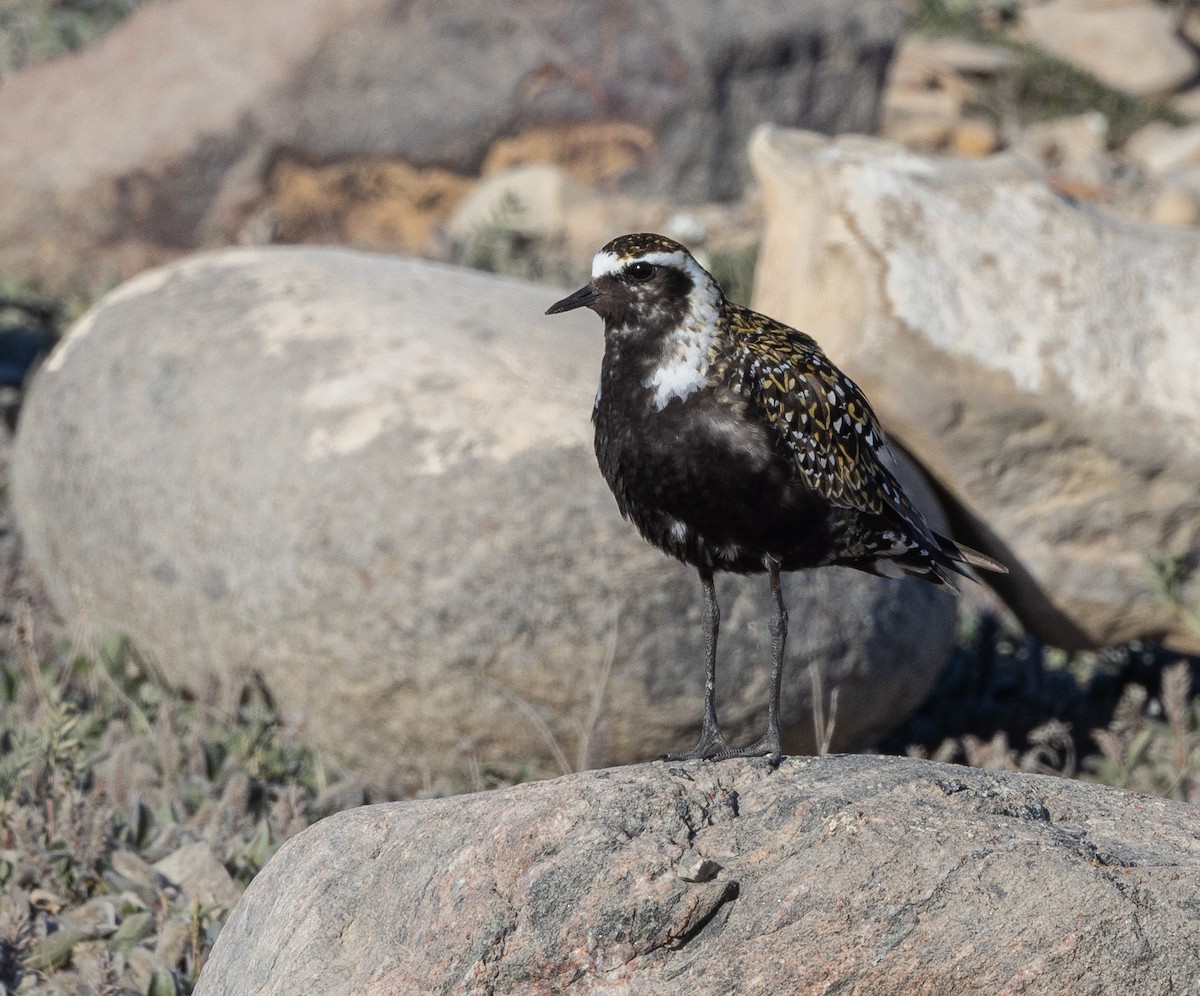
(770, 743)
(712, 741)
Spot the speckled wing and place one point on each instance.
(824, 420)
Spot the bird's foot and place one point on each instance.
(768, 746)
(712, 744)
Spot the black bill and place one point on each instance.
(580, 299)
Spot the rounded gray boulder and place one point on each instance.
(878, 875)
(371, 480)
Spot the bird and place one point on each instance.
(733, 443)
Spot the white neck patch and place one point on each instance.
(684, 366)
(685, 358)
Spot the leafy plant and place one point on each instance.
(734, 271)
(106, 769)
(1172, 575)
(1153, 744)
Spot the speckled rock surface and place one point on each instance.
(371, 480)
(1034, 354)
(848, 874)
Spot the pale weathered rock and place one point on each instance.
(199, 875)
(921, 118)
(371, 479)
(1036, 356)
(1070, 149)
(1176, 206)
(730, 227)
(1133, 47)
(959, 56)
(531, 200)
(837, 874)
(973, 138)
(174, 131)
(1160, 149)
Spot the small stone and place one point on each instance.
(141, 966)
(530, 200)
(134, 868)
(1069, 148)
(1190, 26)
(974, 138)
(46, 900)
(920, 118)
(930, 102)
(196, 870)
(1159, 149)
(1175, 206)
(918, 134)
(694, 868)
(686, 227)
(92, 960)
(955, 55)
(97, 917)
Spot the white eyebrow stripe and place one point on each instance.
(674, 258)
(605, 264)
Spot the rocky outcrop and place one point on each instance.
(361, 121)
(371, 480)
(855, 874)
(1035, 355)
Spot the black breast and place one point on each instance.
(704, 479)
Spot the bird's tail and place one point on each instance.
(957, 557)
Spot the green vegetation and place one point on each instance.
(734, 271)
(104, 770)
(501, 246)
(967, 18)
(32, 31)
(1039, 87)
(1129, 716)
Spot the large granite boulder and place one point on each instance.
(371, 479)
(834, 874)
(205, 122)
(1036, 355)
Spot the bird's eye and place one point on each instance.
(640, 270)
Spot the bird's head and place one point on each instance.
(646, 281)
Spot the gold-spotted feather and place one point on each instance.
(822, 415)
